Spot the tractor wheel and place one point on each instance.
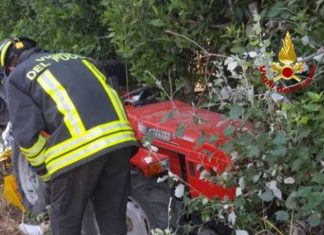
(148, 204)
(34, 191)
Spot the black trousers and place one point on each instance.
(106, 182)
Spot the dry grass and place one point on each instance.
(10, 216)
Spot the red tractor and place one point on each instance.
(163, 149)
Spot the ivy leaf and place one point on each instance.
(280, 151)
(304, 191)
(297, 164)
(267, 196)
(213, 139)
(253, 151)
(318, 178)
(314, 199)
(229, 131)
(235, 111)
(168, 116)
(282, 215)
(201, 139)
(314, 220)
(291, 200)
(280, 139)
(228, 147)
(302, 157)
(180, 130)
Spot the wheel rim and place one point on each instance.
(137, 222)
(29, 180)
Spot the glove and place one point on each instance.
(7, 136)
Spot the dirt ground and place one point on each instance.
(10, 216)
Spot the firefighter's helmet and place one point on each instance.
(11, 48)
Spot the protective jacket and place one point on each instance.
(67, 97)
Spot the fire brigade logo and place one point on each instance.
(287, 69)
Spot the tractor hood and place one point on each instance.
(177, 122)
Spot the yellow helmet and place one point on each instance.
(13, 47)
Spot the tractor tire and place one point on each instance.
(34, 192)
(148, 204)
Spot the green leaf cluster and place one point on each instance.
(287, 149)
(62, 25)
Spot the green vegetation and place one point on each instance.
(218, 46)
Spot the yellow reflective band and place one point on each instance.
(38, 160)
(110, 92)
(63, 102)
(34, 150)
(89, 149)
(45, 177)
(121, 105)
(90, 135)
(4, 52)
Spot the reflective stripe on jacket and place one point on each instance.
(66, 96)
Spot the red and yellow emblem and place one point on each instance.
(287, 57)
(287, 69)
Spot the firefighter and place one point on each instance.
(72, 128)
